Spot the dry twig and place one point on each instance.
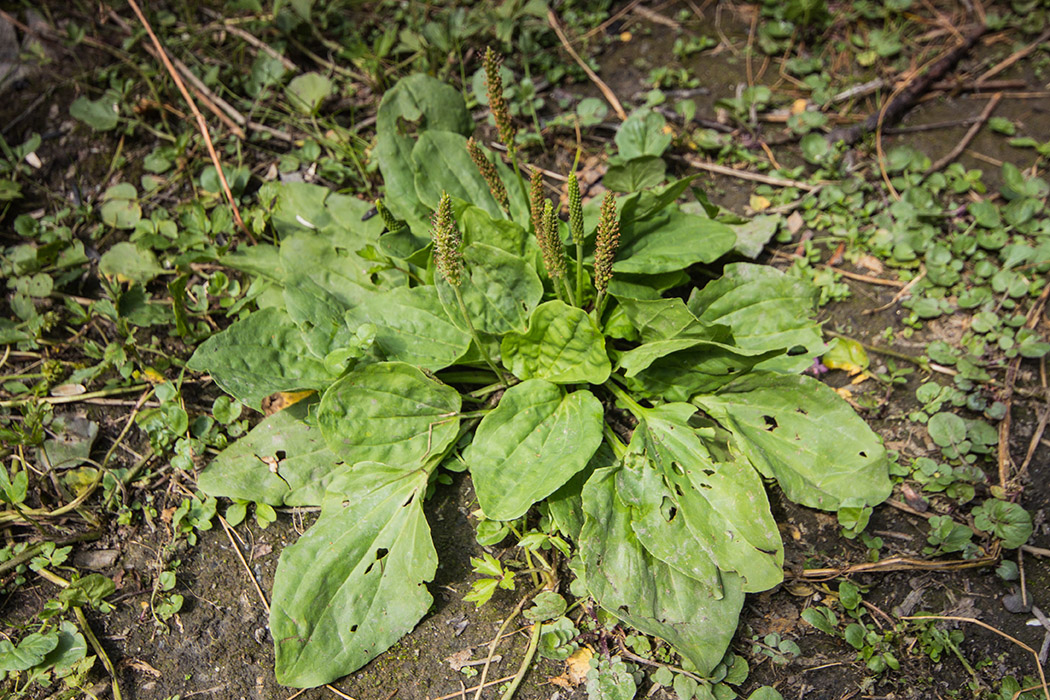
(610, 97)
(969, 136)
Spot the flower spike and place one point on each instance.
(488, 171)
(498, 105)
(448, 258)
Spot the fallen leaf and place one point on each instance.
(798, 106)
(870, 262)
(794, 222)
(68, 390)
(460, 658)
(759, 203)
(577, 665)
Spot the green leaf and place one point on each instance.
(286, 441)
(723, 504)
(258, 356)
(766, 692)
(635, 174)
(662, 319)
(120, 208)
(806, 436)
(442, 164)
(547, 605)
(677, 369)
(646, 593)
(390, 412)
(320, 315)
(561, 345)
(500, 290)
(100, 114)
(946, 429)
(1008, 521)
(643, 134)
(530, 444)
(70, 649)
(609, 679)
(671, 240)
(354, 583)
(766, 310)
(126, 262)
(822, 618)
(753, 235)
(307, 91)
(412, 326)
(478, 226)
(30, 651)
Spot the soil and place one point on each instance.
(219, 645)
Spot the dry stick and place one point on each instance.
(495, 643)
(478, 688)
(1036, 437)
(1039, 666)
(896, 108)
(1017, 56)
(893, 564)
(201, 124)
(338, 692)
(846, 273)
(747, 175)
(610, 97)
(899, 295)
(237, 549)
(262, 46)
(969, 136)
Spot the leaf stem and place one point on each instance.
(568, 291)
(636, 409)
(477, 339)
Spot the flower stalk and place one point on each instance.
(498, 105)
(448, 259)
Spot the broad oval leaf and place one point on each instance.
(723, 504)
(412, 326)
(388, 412)
(355, 582)
(283, 461)
(671, 240)
(766, 310)
(561, 345)
(645, 592)
(530, 444)
(500, 290)
(441, 164)
(30, 651)
(803, 434)
(258, 356)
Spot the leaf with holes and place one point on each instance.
(646, 593)
(283, 461)
(723, 504)
(390, 412)
(354, 583)
(529, 445)
(804, 435)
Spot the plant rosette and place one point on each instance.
(522, 356)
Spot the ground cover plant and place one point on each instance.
(662, 329)
(547, 360)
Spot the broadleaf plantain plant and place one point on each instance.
(642, 423)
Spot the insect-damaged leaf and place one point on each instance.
(531, 444)
(354, 583)
(645, 592)
(258, 356)
(723, 505)
(802, 433)
(287, 442)
(766, 310)
(562, 345)
(389, 412)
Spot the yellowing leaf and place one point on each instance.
(798, 106)
(626, 36)
(847, 355)
(759, 203)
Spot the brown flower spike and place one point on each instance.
(498, 105)
(488, 171)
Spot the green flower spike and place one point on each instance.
(576, 229)
(608, 240)
(488, 171)
(391, 222)
(447, 256)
